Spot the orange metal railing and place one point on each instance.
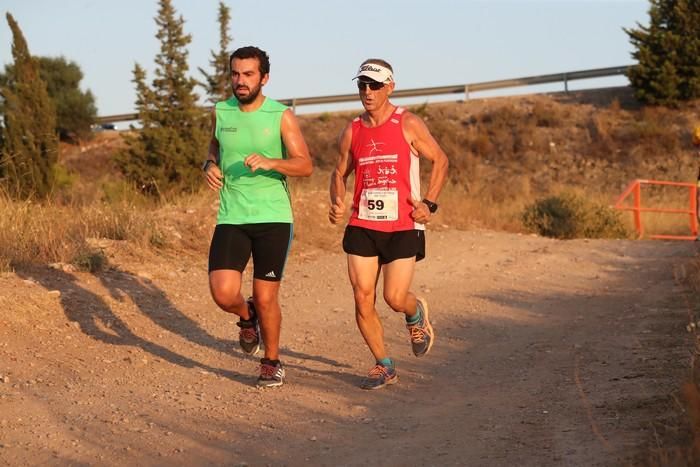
(635, 189)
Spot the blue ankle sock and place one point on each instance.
(415, 319)
(387, 362)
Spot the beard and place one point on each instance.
(252, 94)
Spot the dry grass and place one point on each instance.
(504, 154)
(49, 232)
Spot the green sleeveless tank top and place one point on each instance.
(247, 197)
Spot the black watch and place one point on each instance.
(205, 166)
(432, 207)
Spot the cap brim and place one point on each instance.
(374, 76)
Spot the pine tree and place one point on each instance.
(667, 53)
(688, 14)
(217, 84)
(166, 153)
(29, 139)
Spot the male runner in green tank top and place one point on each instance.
(255, 144)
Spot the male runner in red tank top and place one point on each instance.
(385, 232)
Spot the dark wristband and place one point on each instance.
(432, 207)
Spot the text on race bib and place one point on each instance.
(379, 205)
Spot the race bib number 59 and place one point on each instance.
(379, 205)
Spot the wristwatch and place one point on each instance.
(432, 207)
(205, 166)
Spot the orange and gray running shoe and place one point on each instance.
(379, 376)
(249, 335)
(422, 335)
(271, 373)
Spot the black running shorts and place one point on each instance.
(232, 246)
(388, 246)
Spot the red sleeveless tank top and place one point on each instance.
(386, 176)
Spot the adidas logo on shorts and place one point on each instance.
(271, 274)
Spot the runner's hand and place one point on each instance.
(257, 162)
(337, 211)
(214, 177)
(420, 213)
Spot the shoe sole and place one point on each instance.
(426, 318)
(252, 352)
(389, 382)
(276, 384)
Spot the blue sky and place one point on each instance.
(315, 46)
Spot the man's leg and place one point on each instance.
(225, 287)
(266, 300)
(398, 276)
(265, 297)
(363, 272)
(228, 255)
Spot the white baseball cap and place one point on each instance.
(375, 72)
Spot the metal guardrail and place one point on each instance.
(456, 89)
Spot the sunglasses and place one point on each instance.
(373, 85)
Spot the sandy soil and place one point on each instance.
(547, 353)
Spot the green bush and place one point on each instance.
(89, 260)
(569, 216)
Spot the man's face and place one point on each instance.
(373, 94)
(246, 80)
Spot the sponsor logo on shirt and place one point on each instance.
(374, 146)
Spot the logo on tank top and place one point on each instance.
(374, 146)
(229, 129)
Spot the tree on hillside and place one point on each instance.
(166, 153)
(667, 53)
(75, 109)
(217, 84)
(29, 139)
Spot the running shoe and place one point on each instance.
(271, 373)
(249, 335)
(379, 376)
(422, 335)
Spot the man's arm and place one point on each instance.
(420, 139)
(339, 176)
(298, 162)
(212, 171)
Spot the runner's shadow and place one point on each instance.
(328, 361)
(351, 379)
(97, 320)
(156, 306)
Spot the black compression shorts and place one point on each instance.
(232, 246)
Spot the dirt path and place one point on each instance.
(548, 353)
